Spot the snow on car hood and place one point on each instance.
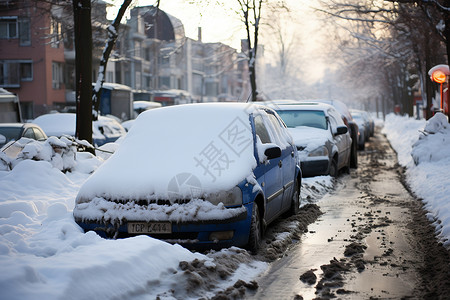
(176, 152)
(309, 138)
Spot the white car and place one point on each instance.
(104, 130)
(322, 139)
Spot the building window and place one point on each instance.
(12, 72)
(13, 28)
(8, 28)
(24, 32)
(26, 71)
(137, 48)
(109, 76)
(55, 33)
(57, 75)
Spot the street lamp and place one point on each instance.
(439, 74)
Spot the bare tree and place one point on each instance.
(87, 98)
(251, 15)
(400, 32)
(109, 45)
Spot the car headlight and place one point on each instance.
(232, 197)
(321, 151)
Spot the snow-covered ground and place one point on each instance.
(45, 255)
(424, 149)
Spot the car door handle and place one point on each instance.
(292, 153)
(280, 163)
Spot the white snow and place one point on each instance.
(424, 149)
(45, 255)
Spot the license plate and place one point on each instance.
(151, 227)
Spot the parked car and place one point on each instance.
(15, 131)
(141, 106)
(342, 108)
(352, 126)
(364, 125)
(206, 175)
(371, 123)
(320, 135)
(104, 130)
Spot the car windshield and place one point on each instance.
(310, 118)
(11, 133)
(357, 116)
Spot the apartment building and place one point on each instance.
(31, 55)
(152, 53)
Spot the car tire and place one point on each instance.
(362, 145)
(333, 171)
(295, 201)
(255, 236)
(354, 155)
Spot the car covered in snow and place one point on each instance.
(15, 131)
(320, 135)
(104, 130)
(206, 176)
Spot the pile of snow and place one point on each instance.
(59, 152)
(44, 254)
(424, 149)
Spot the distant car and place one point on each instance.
(15, 131)
(127, 124)
(352, 126)
(104, 130)
(342, 108)
(207, 175)
(141, 106)
(371, 123)
(364, 124)
(320, 135)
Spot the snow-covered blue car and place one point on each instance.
(201, 175)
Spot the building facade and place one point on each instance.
(152, 55)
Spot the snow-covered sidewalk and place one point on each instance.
(45, 255)
(423, 148)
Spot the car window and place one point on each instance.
(279, 129)
(310, 118)
(29, 133)
(335, 118)
(11, 133)
(38, 134)
(261, 130)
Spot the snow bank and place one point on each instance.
(424, 149)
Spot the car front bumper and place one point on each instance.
(195, 235)
(315, 167)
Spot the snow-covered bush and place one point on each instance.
(60, 152)
(434, 143)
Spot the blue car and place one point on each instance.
(205, 176)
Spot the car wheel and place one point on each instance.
(361, 145)
(254, 239)
(333, 169)
(354, 155)
(295, 201)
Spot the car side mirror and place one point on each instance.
(341, 130)
(272, 152)
(2, 139)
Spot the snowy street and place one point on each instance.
(45, 255)
(369, 242)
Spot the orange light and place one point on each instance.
(438, 76)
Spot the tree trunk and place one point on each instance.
(83, 63)
(110, 42)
